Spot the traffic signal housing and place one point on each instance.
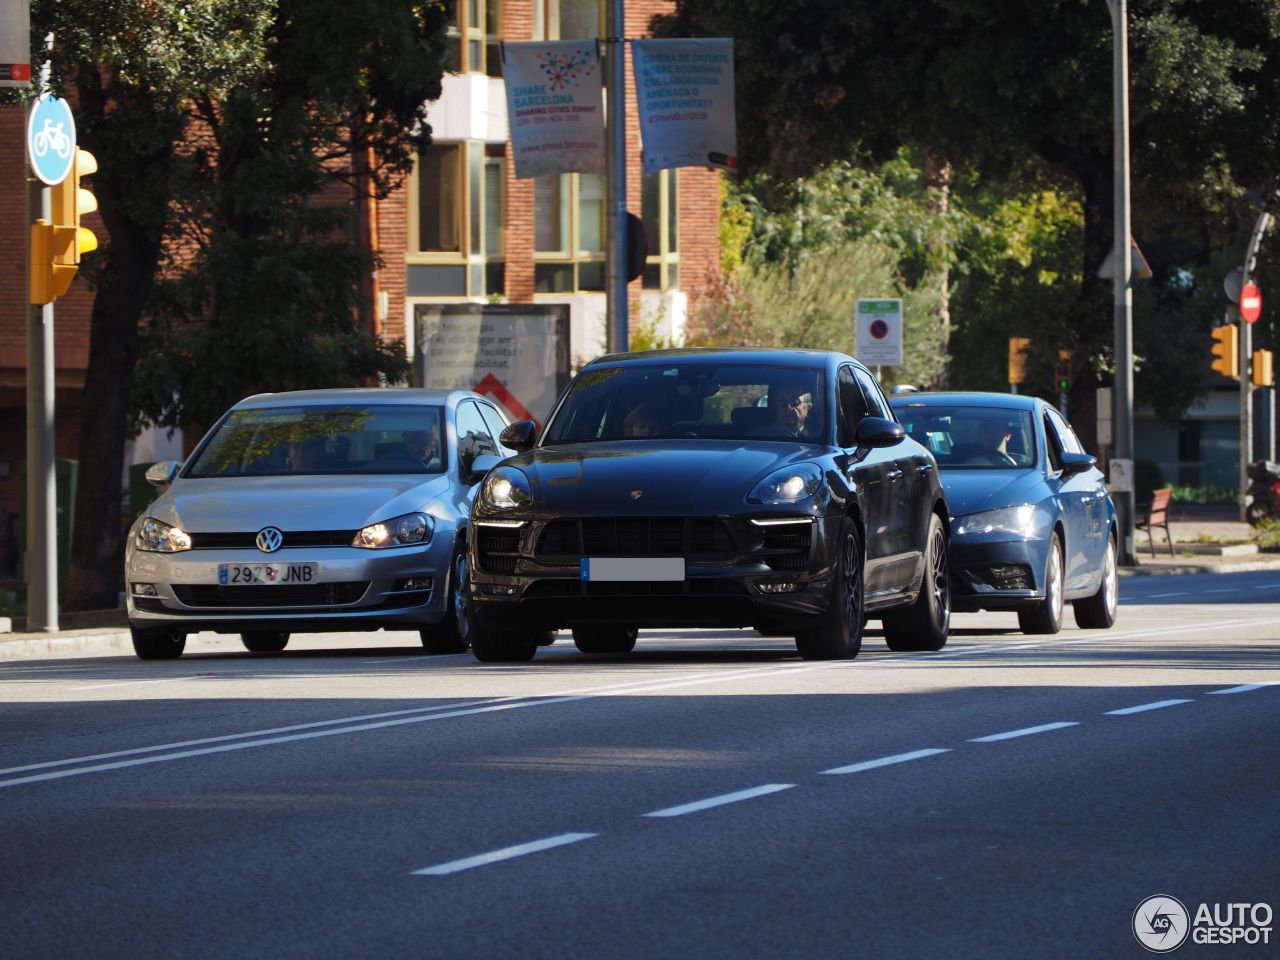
(1018, 358)
(1227, 350)
(1262, 368)
(56, 253)
(1062, 372)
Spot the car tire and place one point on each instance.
(925, 625)
(1099, 611)
(494, 646)
(1046, 616)
(605, 639)
(452, 634)
(547, 639)
(264, 641)
(838, 633)
(157, 644)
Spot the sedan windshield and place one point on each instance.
(972, 438)
(693, 400)
(276, 441)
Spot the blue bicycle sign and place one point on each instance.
(51, 139)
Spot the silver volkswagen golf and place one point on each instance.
(320, 510)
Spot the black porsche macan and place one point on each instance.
(741, 487)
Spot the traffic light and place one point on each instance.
(42, 262)
(1262, 368)
(1227, 350)
(1062, 372)
(1018, 358)
(70, 202)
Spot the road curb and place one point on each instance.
(20, 646)
(1165, 569)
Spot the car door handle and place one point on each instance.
(924, 468)
(894, 474)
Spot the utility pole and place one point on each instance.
(1246, 356)
(1122, 422)
(615, 217)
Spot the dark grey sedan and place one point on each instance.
(322, 510)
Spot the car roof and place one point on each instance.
(395, 395)
(774, 356)
(967, 398)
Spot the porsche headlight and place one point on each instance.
(156, 536)
(1021, 521)
(505, 488)
(789, 485)
(412, 528)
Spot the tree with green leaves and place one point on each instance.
(218, 126)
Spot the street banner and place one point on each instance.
(515, 354)
(15, 43)
(685, 92)
(555, 107)
(878, 341)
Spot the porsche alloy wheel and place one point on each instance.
(838, 633)
(924, 625)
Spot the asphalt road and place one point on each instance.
(710, 795)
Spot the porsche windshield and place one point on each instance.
(275, 441)
(724, 401)
(972, 438)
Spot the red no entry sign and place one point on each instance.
(879, 329)
(1250, 303)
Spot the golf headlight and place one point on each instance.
(1021, 521)
(412, 528)
(790, 485)
(156, 536)
(506, 487)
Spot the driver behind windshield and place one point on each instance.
(791, 402)
(424, 446)
(993, 435)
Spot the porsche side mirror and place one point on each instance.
(161, 474)
(1076, 462)
(878, 432)
(519, 436)
(480, 468)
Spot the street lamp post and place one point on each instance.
(615, 263)
(1122, 422)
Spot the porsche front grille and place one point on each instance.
(568, 541)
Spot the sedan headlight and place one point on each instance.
(505, 488)
(789, 485)
(1020, 521)
(156, 536)
(412, 528)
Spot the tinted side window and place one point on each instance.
(474, 439)
(853, 407)
(877, 406)
(1054, 446)
(493, 420)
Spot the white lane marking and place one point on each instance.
(1160, 596)
(1228, 590)
(1143, 708)
(886, 761)
(1246, 688)
(654, 685)
(1024, 732)
(129, 683)
(1265, 586)
(506, 853)
(721, 800)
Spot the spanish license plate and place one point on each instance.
(633, 569)
(267, 574)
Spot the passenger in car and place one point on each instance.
(791, 402)
(306, 456)
(642, 421)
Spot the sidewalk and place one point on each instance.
(1205, 540)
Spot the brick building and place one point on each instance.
(462, 228)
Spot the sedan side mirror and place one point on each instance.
(480, 468)
(161, 474)
(1076, 462)
(519, 436)
(878, 432)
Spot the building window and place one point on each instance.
(567, 19)
(568, 240)
(458, 227)
(475, 27)
(659, 203)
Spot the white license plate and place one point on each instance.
(267, 574)
(633, 569)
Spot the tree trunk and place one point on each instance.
(937, 176)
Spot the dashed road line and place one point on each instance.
(721, 800)
(1025, 731)
(888, 761)
(1245, 688)
(506, 853)
(1143, 708)
(1161, 596)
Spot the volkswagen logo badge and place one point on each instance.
(637, 494)
(269, 539)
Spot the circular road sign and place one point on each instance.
(1250, 302)
(879, 329)
(51, 140)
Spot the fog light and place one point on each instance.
(145, 590)
(499, 590)
(779, 586)
(413, 583)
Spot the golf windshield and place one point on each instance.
(337, 439)
(651, 402)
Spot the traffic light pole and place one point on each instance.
(1246, 381)
(615, 216)
(41, 566)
